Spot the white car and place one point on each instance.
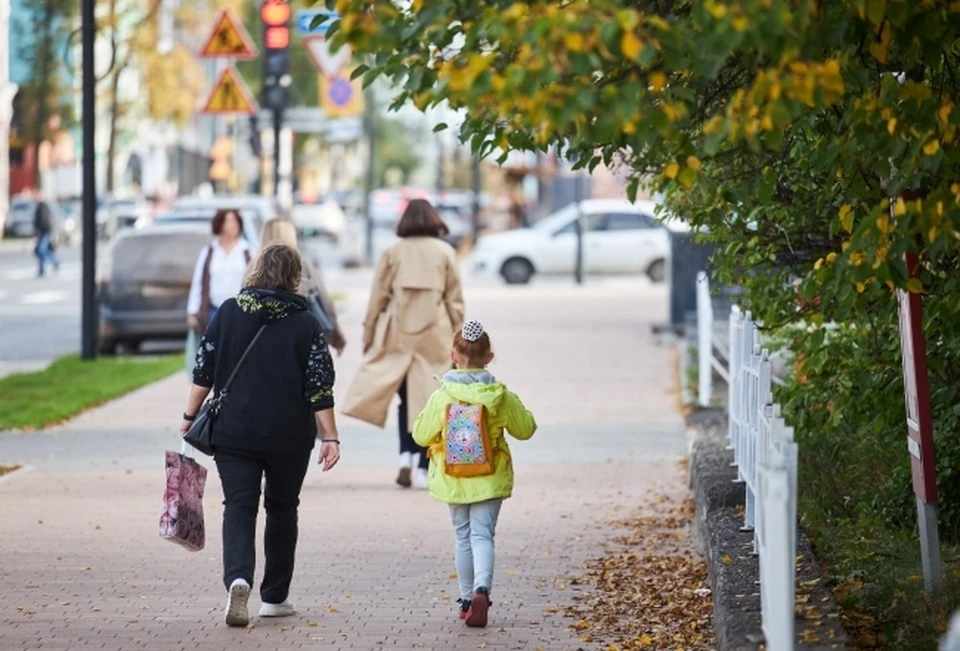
(619, 237)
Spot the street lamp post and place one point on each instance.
(89, 318)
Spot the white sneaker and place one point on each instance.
(285, 609)
(237, 613)
(420, 479)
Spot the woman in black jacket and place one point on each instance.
(280, 403)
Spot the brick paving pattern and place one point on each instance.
(82, 567)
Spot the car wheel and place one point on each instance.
(657, 272)
(517, 271)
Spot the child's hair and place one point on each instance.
(473, 343)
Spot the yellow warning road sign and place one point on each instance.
(228, 40)
(230, 95)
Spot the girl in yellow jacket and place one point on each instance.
(464, 426)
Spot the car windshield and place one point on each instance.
(160, 256)
(251, 220)
(557, 220)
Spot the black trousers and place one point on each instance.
(241, 473)
(407, 444)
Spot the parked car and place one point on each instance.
(619, 237)
(122, 213)
(325, 218)
(144, 282)
(66, 229)
(252, 225)
(252, 206)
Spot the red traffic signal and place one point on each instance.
(276, 38)
(275, 13)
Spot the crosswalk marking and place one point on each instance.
(44, 297)
(68, 271)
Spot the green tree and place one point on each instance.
(46, 92)
(816, 142)
(395, 148)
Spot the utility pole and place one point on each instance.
(475, 185)
(370, 124)
(7, 93)
(89, 318)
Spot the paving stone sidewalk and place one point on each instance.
(82, 568)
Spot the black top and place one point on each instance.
(287, 377)
(42, 219)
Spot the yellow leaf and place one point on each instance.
(940, 209)
(726, 559)
(892, 126)
(857, 258)
(883, 223)
(914, 286)
(687, 177)
(860, 288)
(740, 24)
(628, 128)
(881, 48)
(716, 10)
(630, 45)
(846, 217)
(694, 163)
(671, 170)
(931, 147)
(312, 624)
(932, 233)
(575, 41)
(831, 257)
(658, 81)
(900, 207)
(766, 122)
(816, 265)
(645, 640)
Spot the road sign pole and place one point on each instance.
(476, 186)
(920, 427)
(370, 179)
(88, 329)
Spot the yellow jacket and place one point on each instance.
(505, 414)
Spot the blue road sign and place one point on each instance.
(305, 19)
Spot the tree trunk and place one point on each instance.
(46, 47)
(114, 116)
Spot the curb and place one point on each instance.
(22, 470)
(734, 569)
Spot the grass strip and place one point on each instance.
(69, 386)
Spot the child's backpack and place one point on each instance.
(466, 444)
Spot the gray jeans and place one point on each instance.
(475, 526)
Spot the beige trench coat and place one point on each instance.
(415, 307)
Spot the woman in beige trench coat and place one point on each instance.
(415, 307)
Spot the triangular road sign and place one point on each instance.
(327, 62)
(230, 95)
(228, 40)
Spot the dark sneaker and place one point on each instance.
(464, 607)
(479, 605)
(403, 478)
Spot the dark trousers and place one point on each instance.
(241, 472)
(407, 444)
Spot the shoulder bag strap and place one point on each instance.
(243, 358)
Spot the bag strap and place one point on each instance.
(243, 358)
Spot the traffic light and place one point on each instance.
(275, 15)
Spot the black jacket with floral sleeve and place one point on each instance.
(288, 376)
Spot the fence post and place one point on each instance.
(704, 340)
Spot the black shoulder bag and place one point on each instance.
(200, 434)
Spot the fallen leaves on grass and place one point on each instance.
(651, 590)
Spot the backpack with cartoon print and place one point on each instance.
(467, 451)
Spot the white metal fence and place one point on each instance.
(765, 456)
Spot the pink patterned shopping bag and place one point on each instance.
(181, 521)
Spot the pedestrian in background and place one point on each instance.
(43, 227)
(284, 231)
(416, 305)
(217, 276)
(279, 404)
(463, 425)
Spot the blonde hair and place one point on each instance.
(278, 231)
(277, 267)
